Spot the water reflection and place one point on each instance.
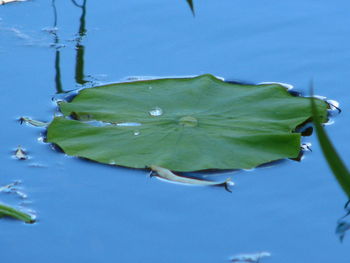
(344, 223)
(190, 3)
(79, 60)
(80, 49)
(58, 82)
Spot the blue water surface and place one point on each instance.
(88, 212)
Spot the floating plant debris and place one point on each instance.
(12, 188)
(20, 154)
(32, 122)
(9, 211)
(15, 213)
(251, 258)
(170, 176)
(4, 2)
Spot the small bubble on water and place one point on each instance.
(156, 112)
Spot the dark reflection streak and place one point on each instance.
(190, 3)
(76, 4)
(79, 66)
(343, 225)
(58, 81)
(54, 13)
(347, 205)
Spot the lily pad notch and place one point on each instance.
(183, 124)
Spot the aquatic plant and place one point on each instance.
(333, 159)
(15, 213)
(336, 164)
(182, 124)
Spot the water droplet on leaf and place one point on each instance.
(128, 124)
(188, 121)
(156, 112)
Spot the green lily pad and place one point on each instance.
(183, 124)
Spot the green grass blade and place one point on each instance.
(336, 164)
(11, 212)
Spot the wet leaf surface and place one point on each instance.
(183, 124)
